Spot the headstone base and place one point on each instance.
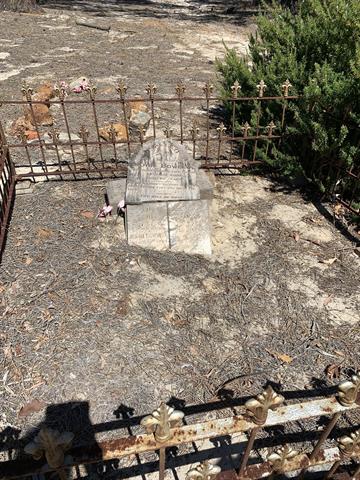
(181, 226)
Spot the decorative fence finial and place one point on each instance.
(194, 131)
(270, 128)
(259, 407)
(208, 89)
(350, 445)
(27, 91)
(92, 91)
(280, 456)
(61, 90)
(286, 87)
(180, 90)
(121, 89)
(161, 421)
(349, 390)
(168, 131)
(261, 87)
(203, 471)
(54, 135)
(51, 444)
(112, 133)
(245, 129)
(221, 129)
(235, 89)
(151, 89)
(84, 133)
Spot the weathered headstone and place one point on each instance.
(162, 171)
(167, 199)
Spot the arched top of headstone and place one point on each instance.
(163, 170)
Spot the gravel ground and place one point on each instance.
(86, 318)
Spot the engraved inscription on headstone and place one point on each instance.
(162, 171)
(147, 225)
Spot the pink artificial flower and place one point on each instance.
(82, 87)
(104, 212)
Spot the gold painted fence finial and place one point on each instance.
(279, 458)
(349, 391)
(161, 421)
(51, 444)
(203, 471)
(258, 408)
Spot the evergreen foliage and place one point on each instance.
(318, 50)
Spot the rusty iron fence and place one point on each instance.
(249, 453)
(7, 188)
(98, 135)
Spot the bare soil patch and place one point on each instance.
(86, 317)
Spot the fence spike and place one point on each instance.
(151, 89)
(203, 471)
(270, 128)
(350, 445)
(92, 89)
(121, 89)
(280, 456)
(52, 445)
(61, 90)
(27, 91)
(349, 390)
(235, 89)
(161, 421)
(194, 131)
(245, 129)
(208, 89)
(221, 129)
(258, 408)
(286, 87)
(180, 89)
(84, 133)
(54, 135)
(168, 131)
(261, 87)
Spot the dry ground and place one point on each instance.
(85, 317)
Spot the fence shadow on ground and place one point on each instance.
(74, 417)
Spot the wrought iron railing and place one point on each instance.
(166, 427)
(99, 146)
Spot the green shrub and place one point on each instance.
(318, 50)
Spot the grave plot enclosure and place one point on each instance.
(65, 133)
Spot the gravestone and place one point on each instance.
(160, 172)
(167, 199)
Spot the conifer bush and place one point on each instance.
(316, 47)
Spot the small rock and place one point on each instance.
(39, 115)
(19, 125)
(136, 106)
(31, 135)
(120, 132)
(139, 119)
(44, 93)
